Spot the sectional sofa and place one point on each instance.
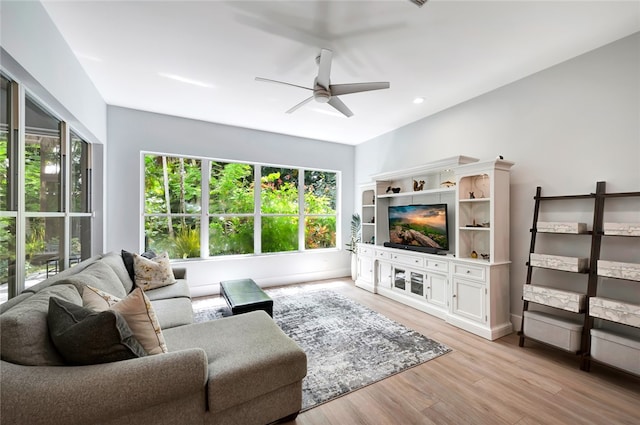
(237, 370)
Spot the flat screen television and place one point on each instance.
(419, 227)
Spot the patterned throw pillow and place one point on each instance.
(127, 258)
(96, 299)
(153, 273)
(136, 310)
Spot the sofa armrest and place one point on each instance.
(97, 393)
(179, 272)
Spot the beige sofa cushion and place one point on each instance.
(99, 275)
(249, 356)
(114, 260)
(24, 335)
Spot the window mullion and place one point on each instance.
(205, 176)
(65, 192)
(301, 223)
(257, 212)
(18, 96)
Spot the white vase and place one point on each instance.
(354, 266)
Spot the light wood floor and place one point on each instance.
(481, 382)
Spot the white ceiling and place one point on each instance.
(447, 52)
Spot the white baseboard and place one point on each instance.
(214, 288)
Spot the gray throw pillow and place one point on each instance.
(85, 337)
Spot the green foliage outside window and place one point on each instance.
(173, 202)
(4, 172)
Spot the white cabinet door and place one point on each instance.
(399, 279)
(469, 299)
(437, 289)
(384, 275)
(409, 282)
(365, 269)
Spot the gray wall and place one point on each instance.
(132, 131)
(35, 53)
(565, 128)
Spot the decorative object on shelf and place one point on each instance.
(373, 220)
(474, 254)
(622, 229)
(448, 183)
(393, 189)
(471, 195)
(418, 185)
(485, 256)
(558, 262)
(557, 227)
(481, 185)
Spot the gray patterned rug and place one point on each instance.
(348, 346)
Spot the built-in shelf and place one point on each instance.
(419, 192)
(474, 200)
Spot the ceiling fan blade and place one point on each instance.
(299, 105)
(266, 80)
(324, 68)
(338, 89)
(337, 103)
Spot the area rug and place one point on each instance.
(348, 346)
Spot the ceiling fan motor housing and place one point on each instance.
(320, 94)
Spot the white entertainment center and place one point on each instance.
(466, 285)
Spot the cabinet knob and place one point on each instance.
(454, 295)
(468, 271)
(435, 265)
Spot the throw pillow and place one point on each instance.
(97, 300)
(136, 310)
(85, 337)
(127, 258)
(153, 273)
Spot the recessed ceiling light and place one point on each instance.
(418, 100)
(185, 80)
(89, 58)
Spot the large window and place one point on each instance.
(172, 205)
(8, 205)
(231, 208)
(45, 193)
(241, 217)
(320, 198)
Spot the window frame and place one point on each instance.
(16, 210)
(257, 215)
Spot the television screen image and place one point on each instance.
(419, 226)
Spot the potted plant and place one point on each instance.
(352, 245)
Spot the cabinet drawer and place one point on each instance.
(409, 260)
(471, 272)
(383, 255)
(365, 251)
(437, 265)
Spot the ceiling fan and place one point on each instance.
(324, 91)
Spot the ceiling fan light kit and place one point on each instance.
(419, 3)
(324, 91)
